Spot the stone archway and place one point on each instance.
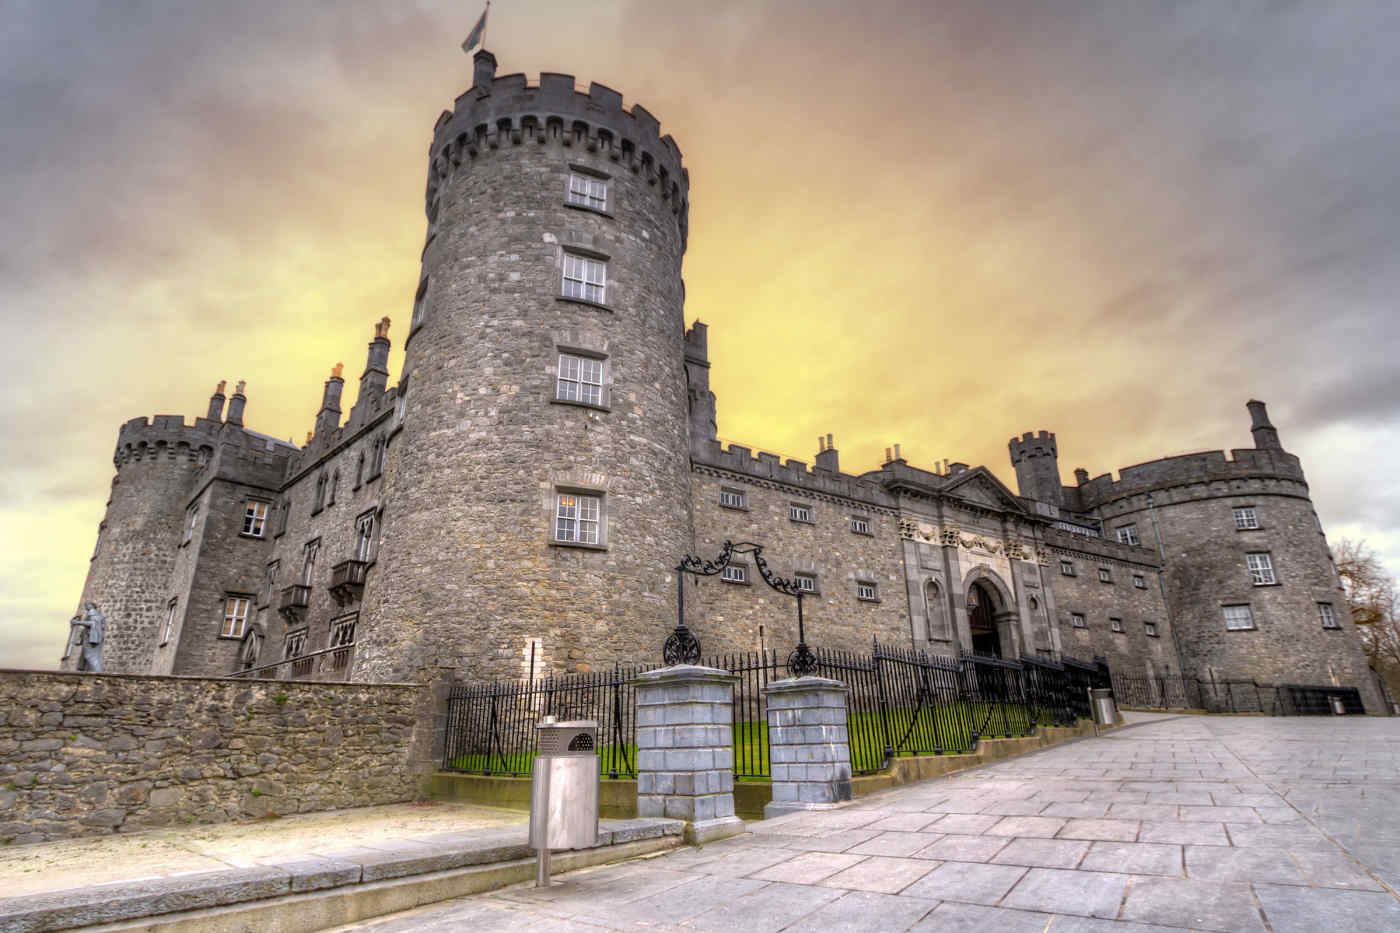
(991, 614)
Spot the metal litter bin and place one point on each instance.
(563, 790)
(1104, 708)
(1338, 707)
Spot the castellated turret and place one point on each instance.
(538, 488)
(1037, 464)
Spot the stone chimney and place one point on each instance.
(826, 455)
(216, 403)
(376, 375)
(235, 405)
(1265, 434)
(328, 418)
(485, 73)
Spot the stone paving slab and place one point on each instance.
(1185, 823)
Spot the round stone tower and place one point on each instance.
(537, 491)
(157, 463)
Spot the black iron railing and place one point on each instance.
(1231, 695)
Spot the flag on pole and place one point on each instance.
(478, 31)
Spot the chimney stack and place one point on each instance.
(328, 418)
(216, 403)
(826, 455)
(484, 74)
(376, 375)
(1265, 434)
(235, 405)
(1081, 476)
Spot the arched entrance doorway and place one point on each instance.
(981, 619)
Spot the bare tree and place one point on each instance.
(1375, 607)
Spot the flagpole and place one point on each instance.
(485, 24)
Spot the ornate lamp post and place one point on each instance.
(682, 647)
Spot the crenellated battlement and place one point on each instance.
(511, 112)
(169, 437)
(763, 466)
(1186, 469)
(1032, 445)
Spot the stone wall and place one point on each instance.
(85, 754)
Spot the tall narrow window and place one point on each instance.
(269, 582)
(1261, 569)
(1328, 615)
(169, 621)
(935, 612)
(319, 502)
(420, 305)
(1238, 618)
(342, 638)
(586, 191)
(334, 484)
(308, 561)
(577, 518)
(585, 278)
(580, 379)
(1246, 518)
(284, 511)
(254, 519)
(1127, 534)
(360, 470)
(235, 616)
(364, 537)
(191, 517)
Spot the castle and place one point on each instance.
(518, 501)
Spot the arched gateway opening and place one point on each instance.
(981, 618)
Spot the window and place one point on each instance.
(860, 525)
(319, 502)
(342, 637)
(588, 192)
(867, 591)
(97, 548)
(1066, 568)
(1245, 518)
(204, 453)
(806, 582)
(334, 484)
(365, 527)
(1105, 575)
(580, 379)
(1238, 618)
(254, 519)
(1115, 625)
(420, 306)
(284, 509)
(1076, 619)
(733, 499)
(295, 647)
(1261, 569)
(735, 573)
(800, 512)
(360, 470)
(269, 582)
(1328, 615)
(235, 616)
(577, 518)
(1127, 534)
(1150, 628)
(1139, 581)
(191, 517)
(308, 561)
(585, 278)
(376, 457)
(169, 621)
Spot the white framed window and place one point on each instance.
(806, 582)
(733, 499)
(735, 573)
(365, 527)
(580, 379)
(1105, 575)
(577, 518)
(1127, 534)
(254, 518)
(169, 621)
(1328, 615)
(1261, 568)
(800, 512)
(1150, 628)
(1115, 625)
(1066, 568)
(587, 191)
(1139, 581)
(1076, 619)
(867, 590)
(235, 616)
(1246, 518)
(585, 278)
(191, 518)
(1238, 618)
(860, 525)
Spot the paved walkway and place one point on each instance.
(1205, 823)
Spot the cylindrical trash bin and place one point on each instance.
(1104, 708)
(564, 790)
(1338, 707)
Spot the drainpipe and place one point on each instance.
(1162, 583)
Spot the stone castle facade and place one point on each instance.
(518, 501)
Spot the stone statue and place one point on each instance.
(94, 626)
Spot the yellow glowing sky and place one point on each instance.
(938, 224)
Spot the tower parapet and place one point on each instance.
(1036, 459)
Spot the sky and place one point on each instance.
(938, 224)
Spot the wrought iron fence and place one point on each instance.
(1230, 695)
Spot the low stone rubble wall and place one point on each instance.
(88, 754)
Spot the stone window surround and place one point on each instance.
(1077, 620)
(1248, 615)
(191, 520)
(1327, 614)
(1250, 517)
(583, 204)
(259, 522)
(420, 307)
(97, 548)
(874, 590)
(1106, 575)
(294, 638)
(868, 530)
(269, 582)
(367, 546)
(1128, 534)
(563, 348)
(1115, 625)
(604, 520)
(801, 513)
(1260, 565)
(309, 553)
(800, 575)
(1151, 629)
(1139, 581)
(740, 497)
(741, 575)
(234, 625)
(169, 619)
(1067, 568)
(591, 255)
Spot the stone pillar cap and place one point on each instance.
(685, 672)
(809, 682)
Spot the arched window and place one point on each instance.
(936, 613)
(335, 483)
